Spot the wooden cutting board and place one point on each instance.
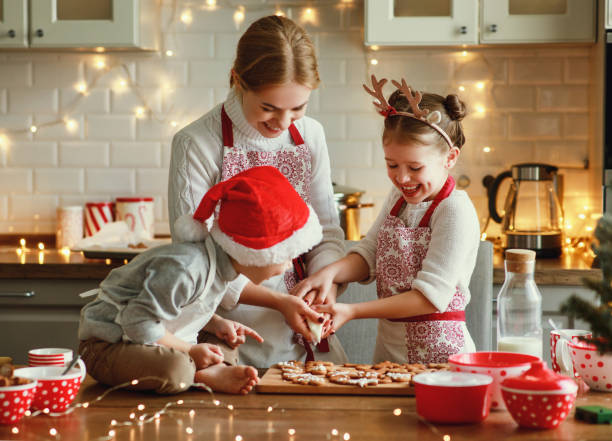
(273, 383)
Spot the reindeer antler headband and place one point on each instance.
(424, 115)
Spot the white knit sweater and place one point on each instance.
(450, 259)
(196, 165)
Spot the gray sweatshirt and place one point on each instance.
(156, 285)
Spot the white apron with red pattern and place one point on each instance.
(400, 251)
(280, 344)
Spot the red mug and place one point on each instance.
(560, 357)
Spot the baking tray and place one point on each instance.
(99, 252)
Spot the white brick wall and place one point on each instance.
(536, 101)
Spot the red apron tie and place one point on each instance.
(458, 316)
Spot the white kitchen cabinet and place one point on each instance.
(458, 22)
(111, 24)
(417, 22)
(542, 21)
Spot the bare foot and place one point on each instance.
(228, 379)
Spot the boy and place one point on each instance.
(148, 313)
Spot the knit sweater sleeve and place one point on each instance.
(451, 256)
(331, 247)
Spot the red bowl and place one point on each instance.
(15, 400)
(538, 409)
(498, 365)
(452, 397)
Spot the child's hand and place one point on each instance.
(205, 354)
(296, 311)
(340, 312)
(316, 288)
(234, 333)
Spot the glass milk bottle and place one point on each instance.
(519, 306)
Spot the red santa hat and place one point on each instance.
(261, 219)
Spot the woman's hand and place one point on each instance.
(205, 354)
(316, 288)
(296, 311)
(340, 314)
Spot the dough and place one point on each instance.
(316, 329)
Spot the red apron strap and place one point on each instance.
(458, 316)
(444, 192)
(295, 135)
(397, 207)
(226, 129)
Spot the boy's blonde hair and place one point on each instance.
(273, 51)
(404, 130)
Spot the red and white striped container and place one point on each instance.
(97, 214)
(49, 356)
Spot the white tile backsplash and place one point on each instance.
(535, 100)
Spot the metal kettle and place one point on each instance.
(533, 213)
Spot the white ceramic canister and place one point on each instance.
(69, 226)
(137, 213)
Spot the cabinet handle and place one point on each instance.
(463, 30)
(12, 33)
(39, 33)
(17, 294)
(493, 28)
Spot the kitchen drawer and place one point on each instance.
(47, 318)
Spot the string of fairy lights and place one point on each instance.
(140, 415)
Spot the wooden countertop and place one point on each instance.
(313, 417)
(568, 270)
(52, 264)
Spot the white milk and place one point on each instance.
(521, 345)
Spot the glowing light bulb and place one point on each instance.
(581, 216)
(140, 112)
(33, 129)
(279, 13)
(141, 406)
(462, 88)
(52, 431)
(113, 422)
(111, 433)
(186, 17)
(334, 432)
(180, 402)
(22, 242)
(486, 149)
(346, 436)
(191, 412)
(71, 125)
(15, 430)
(189, 430)
(211, 3)
(291, 432)
(3, 141)
(483, 236)
(173, 123)
(230, 406)
(81, 87)
(269, 408)
(446, 438)
(397, 412)
(238, 438)
(374, 47)
(239, 16)
(100, 49)
(464, 54)
(373, 61)
(216, 402)
(41, 246)
(480, 85)
(169, 53)
(480, 109)
(100, 64)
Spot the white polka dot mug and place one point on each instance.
(55, 391)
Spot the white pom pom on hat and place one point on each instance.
(261, 219)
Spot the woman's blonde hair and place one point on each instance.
(404, 130)
(273, 51)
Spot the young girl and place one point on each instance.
(422, 247)
(262, 122)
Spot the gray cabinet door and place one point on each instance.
(49, 317)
